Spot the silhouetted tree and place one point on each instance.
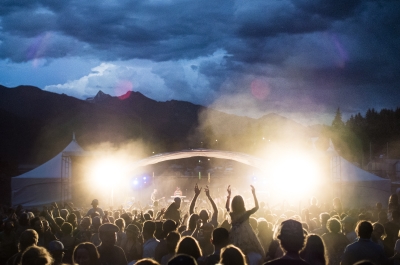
(337, 122)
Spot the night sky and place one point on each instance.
(302, 59)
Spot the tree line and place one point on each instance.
(363, 137)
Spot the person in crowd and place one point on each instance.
(121, 234)
(383, 218)
(337, 206)
(173, 212)
(241, 234)
(8, 242)
(172, 240)
(378, 234)
(232, 255)
(44, 239)
(323, 217)
(68, 241)
(334, 241)
(37, 256)
(377, 209)
(56, 249)
(264, 234)
(393, 203)
(73, 220)
(363, 248)
(95, 209)
(64, 214)
(149, 241)
(28, 238)
(348, 226)
(254, 224)
(204, 239)
(131, 244)
(23, 224)
(162, 249)
(392, 232)
(86, 254)
(204, 216)
(313, 209)
(96, 223)
(220, 239)
(182, 259)
(109, 252)
(83, 231)
(291, 237)
(191, 225)
(314, 250)
(189, 246)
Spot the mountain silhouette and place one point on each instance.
(37, 124)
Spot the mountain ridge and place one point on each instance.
(50, 119)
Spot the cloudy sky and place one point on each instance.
(298, 58)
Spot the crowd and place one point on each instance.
(215, 233)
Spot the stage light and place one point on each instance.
(108, 172)
(294, 174)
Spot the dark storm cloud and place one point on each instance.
(319, 50)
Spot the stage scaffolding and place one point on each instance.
(65, 181)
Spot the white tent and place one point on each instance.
(357, 187)
(41, 185)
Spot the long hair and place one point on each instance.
(232, 255)
(314, 250)
(192, 221)
(91, 249)
(189, 246)
(237, 205)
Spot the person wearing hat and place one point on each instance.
(131, 244)
(56, 249)
(291, 237)
(109, 252)
(95, 208)
(348, 229)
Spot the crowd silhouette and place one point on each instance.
(235, 231)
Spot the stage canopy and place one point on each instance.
(357, 187)
(41, 185)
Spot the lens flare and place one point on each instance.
(108, 172)
(124, 89)
(295, 175)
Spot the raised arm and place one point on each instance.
(214, 206)
(247, 214)
(256, 207)
(196, 195)
(50, 219)
(228, 198)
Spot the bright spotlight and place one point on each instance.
(108, 172)
(295, 174)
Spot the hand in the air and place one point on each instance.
(253, 190)
(197, 190)
(229, 190)
(207, 191)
